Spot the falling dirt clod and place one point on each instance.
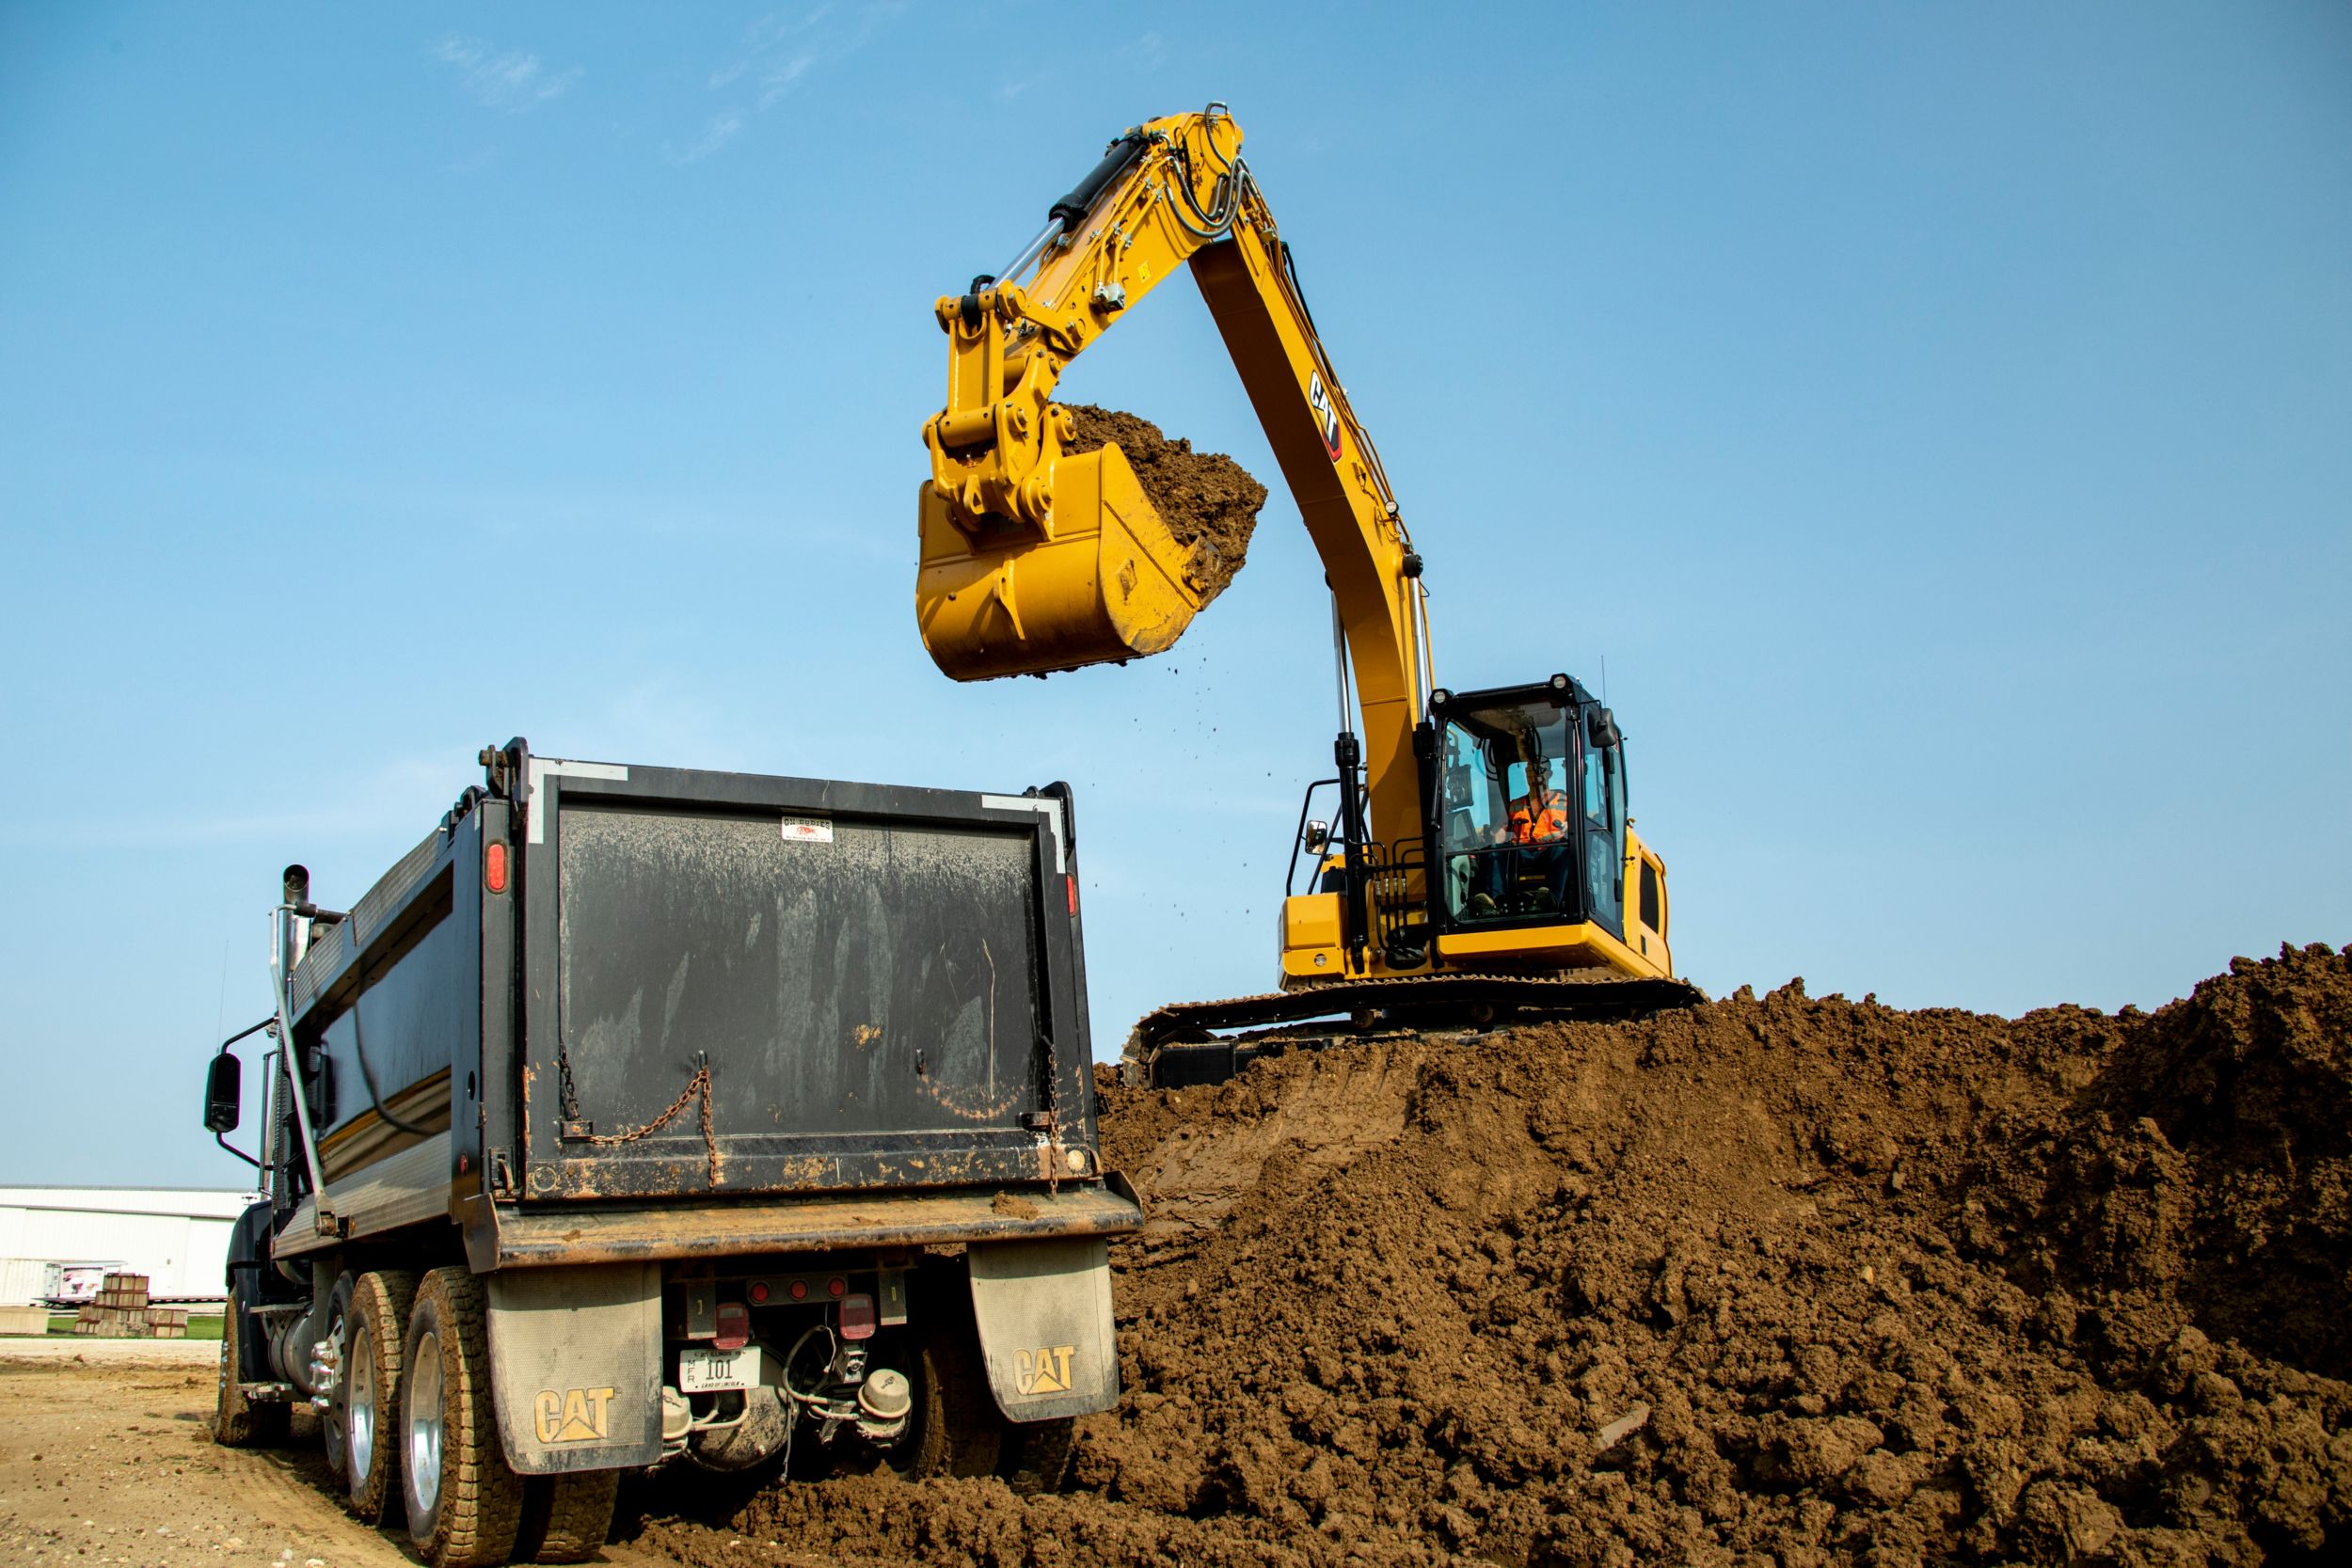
(1201, 495)
(1773, 1280)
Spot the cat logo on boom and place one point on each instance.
(573, 1415)
(1044, 1370)
(1320, 401)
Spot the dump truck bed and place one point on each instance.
(615, 984)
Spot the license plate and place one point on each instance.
(710, 1372)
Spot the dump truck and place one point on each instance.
(642, 1114)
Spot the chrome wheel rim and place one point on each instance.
(358, 1384)
(333, 1433)
(423, 1399)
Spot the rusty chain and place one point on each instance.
(700, 1084)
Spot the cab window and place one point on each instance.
(1506, 786)
(1599, 789)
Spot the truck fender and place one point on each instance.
(576, 1366)
(1043, 1310)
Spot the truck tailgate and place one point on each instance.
(759, 996)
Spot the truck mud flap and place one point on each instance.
(1044, 1315)
(575, 1364)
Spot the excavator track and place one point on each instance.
(1179, 1045)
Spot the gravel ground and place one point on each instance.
(107, 1456)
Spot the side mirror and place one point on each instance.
(224, 1097)
(1317, 836)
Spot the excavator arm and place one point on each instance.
(1038, 559)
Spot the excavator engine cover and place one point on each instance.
(1103, 581)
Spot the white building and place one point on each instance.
(176, 1236)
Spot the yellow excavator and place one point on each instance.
(1481, 863)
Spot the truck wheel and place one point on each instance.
(237, 1422)
(337, 1333)
(465, 1506)
(566, 1518)
(954, 1428)
(367, 1413)
(1034, 1455)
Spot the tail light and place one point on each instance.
(734, 1326)
(1073, 892)
(494, 868)
(857, 1317)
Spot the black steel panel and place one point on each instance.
(937, 958)
(331, 946)
(849, 997)
(416, 1016)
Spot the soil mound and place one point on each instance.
(1205, 497)
(1775, 1280)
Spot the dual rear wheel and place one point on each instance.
(955, 1426)
(368, 1391)
(413, 1429)
(418, 1432)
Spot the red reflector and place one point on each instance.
(837, 1285)
(734, 1326)
(758, 1293)
(1073, 894)
(857, 1317)
(494, 868)
(797, 1291)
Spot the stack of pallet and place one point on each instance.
(122, 1312)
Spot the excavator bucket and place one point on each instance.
(1107, 581)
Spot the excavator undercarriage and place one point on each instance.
(1178, 1046)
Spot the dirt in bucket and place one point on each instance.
(1205, 498)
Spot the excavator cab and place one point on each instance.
(1533, 867)
(1530, 808)
(1534, 853)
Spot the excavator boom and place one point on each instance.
(1036, 559)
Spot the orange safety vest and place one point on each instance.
(1546, 820)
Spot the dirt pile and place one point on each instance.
(1774, 1281)
(1208, 502)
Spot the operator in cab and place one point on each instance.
(1535, 843)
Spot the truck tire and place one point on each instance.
(368, 1412)
(1034, 1456)
(465, 1505)
(566, 1518)
(238, 1422)
(954, 1428)
(337, 1333)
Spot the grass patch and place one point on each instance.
(200, 1327)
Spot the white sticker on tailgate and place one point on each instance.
(807, 830)
(710, 1372)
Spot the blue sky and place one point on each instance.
(1939, 419)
